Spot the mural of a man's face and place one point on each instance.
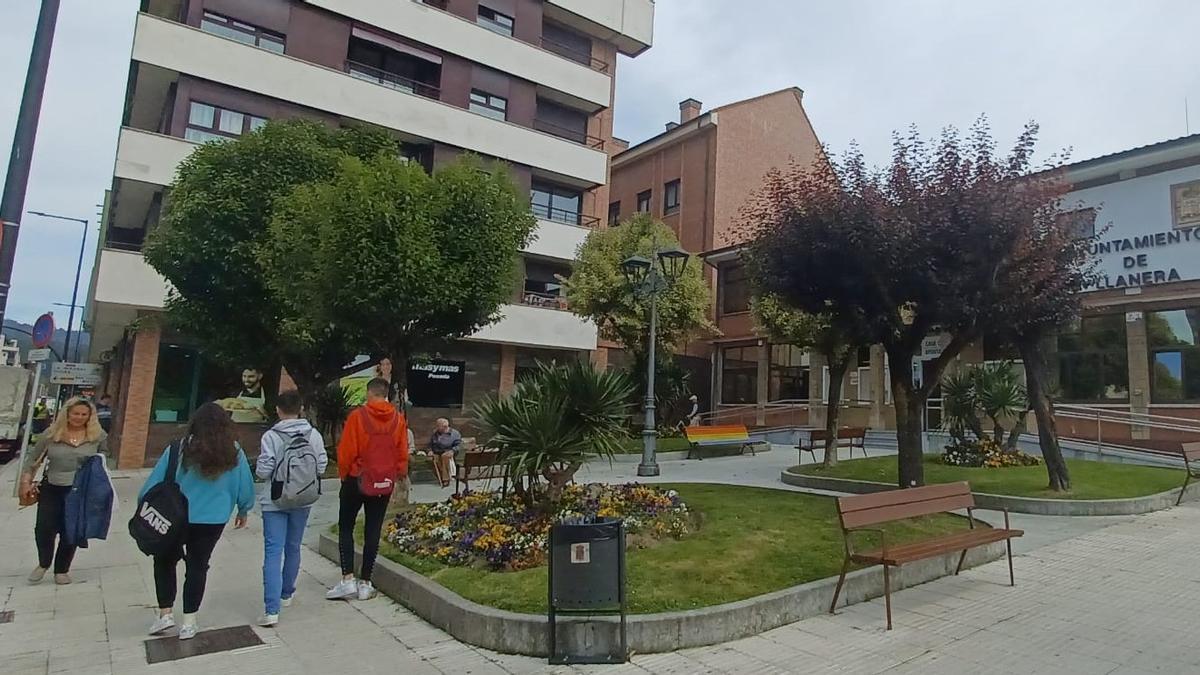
(251, 379)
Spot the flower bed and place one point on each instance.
(985, 453)
(488, 530)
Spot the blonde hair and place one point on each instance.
(58, 430)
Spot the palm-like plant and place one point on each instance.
(993, 391)
(554, 422)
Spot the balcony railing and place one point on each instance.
(564, 216)
(546, 300)
(577, 55)
(391, 80)
(569, 134)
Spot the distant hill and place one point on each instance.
(15, 330)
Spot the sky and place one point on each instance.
(1099, 76)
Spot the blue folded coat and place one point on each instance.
(89, 504)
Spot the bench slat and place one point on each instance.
(887, 514)
(929, 548)
(902, 496)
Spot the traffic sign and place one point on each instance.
(43, 330)
(77, 374)
(37, 355)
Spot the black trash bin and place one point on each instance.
(587, 577)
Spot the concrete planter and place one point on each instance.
(515, 633)
(1031, 505)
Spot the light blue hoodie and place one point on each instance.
(210, 500)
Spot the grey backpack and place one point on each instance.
(296, 482)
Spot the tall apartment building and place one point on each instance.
(529, 82)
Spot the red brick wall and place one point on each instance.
(139, 393)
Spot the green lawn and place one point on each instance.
(1089, 480)
(669, 444)
(751, 541)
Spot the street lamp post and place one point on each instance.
(649, 281)
(78, 269)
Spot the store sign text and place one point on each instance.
(1136, 267)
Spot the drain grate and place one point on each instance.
(207, 642)
(7, 616)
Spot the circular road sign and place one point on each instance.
(43, 330)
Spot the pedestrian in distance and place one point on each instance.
(104, 412)
(372, 457)
(215, 477)
(444, 443)
(65, 446)
(291, 460)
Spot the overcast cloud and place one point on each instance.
(1099, 75)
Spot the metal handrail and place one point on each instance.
(565, 133)
(568, 52)
(564, 216)
(544, 300)
(391, 80)
(728, 410)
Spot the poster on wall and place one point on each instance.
(436, 384)
(249, 404)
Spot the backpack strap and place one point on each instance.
(173, 453)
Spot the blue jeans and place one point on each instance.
(282, 533)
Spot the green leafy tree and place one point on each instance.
(396, 260)
(210, 239)
(812, 332)
(597, 290)
(553, 423)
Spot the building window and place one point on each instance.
(735, 290)
(559, 204)
(1082, 222)
(739, 374)
(242, 32)
(614, 213)
(495, 21)
(671, 197)
(490, 105)
(1174, 339)
(210, 123)
(1093, 364)
(643, 202)
(789, 374)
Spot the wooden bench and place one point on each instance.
(1191, 453)
(856, 437)
(725, 435)
(476, 465)
(859, 512)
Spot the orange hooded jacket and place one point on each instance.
(354, 438)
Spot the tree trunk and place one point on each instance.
(837, 375)
(1015, 433)
(910, 407)
(1036, 382)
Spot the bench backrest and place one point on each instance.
(843, 432)
(728, 433)
(885, 507)
(480, 458)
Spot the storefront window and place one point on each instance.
(185, 380)
(1093, 364)
(1174, 339)
(739, 374)
(789, 377)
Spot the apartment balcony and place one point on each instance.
(557, 240)
(125, 278)
(393, 81)
(530, 326)
(430, 24)
(372, 97)
(629, 24)
(568, 134)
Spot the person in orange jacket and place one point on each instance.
(372, 456)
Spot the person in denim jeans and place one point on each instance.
(282, 529)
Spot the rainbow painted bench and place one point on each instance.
(724, 436)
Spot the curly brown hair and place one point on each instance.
(211, 449)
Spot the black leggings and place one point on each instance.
(52, 523)
(350, 500)
(198, 544)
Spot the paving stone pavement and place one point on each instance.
(1097, 595)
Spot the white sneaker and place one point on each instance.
(162, 624)
(285, 602)
(268, 620)
(187, 631)
(365, 590)
(346, 588)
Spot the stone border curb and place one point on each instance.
(1031, 505)
(527, 634)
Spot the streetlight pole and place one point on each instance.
(649, 463)
(78, 269)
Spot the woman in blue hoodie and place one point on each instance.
(216, 479)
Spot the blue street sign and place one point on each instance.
(43, 330)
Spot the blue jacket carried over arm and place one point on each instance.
(89, 504)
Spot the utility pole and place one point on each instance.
(12, 204)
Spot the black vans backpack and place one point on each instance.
(161, 518)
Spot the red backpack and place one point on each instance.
(378, 459)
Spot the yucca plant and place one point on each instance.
(554, 422)
(991, 391)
